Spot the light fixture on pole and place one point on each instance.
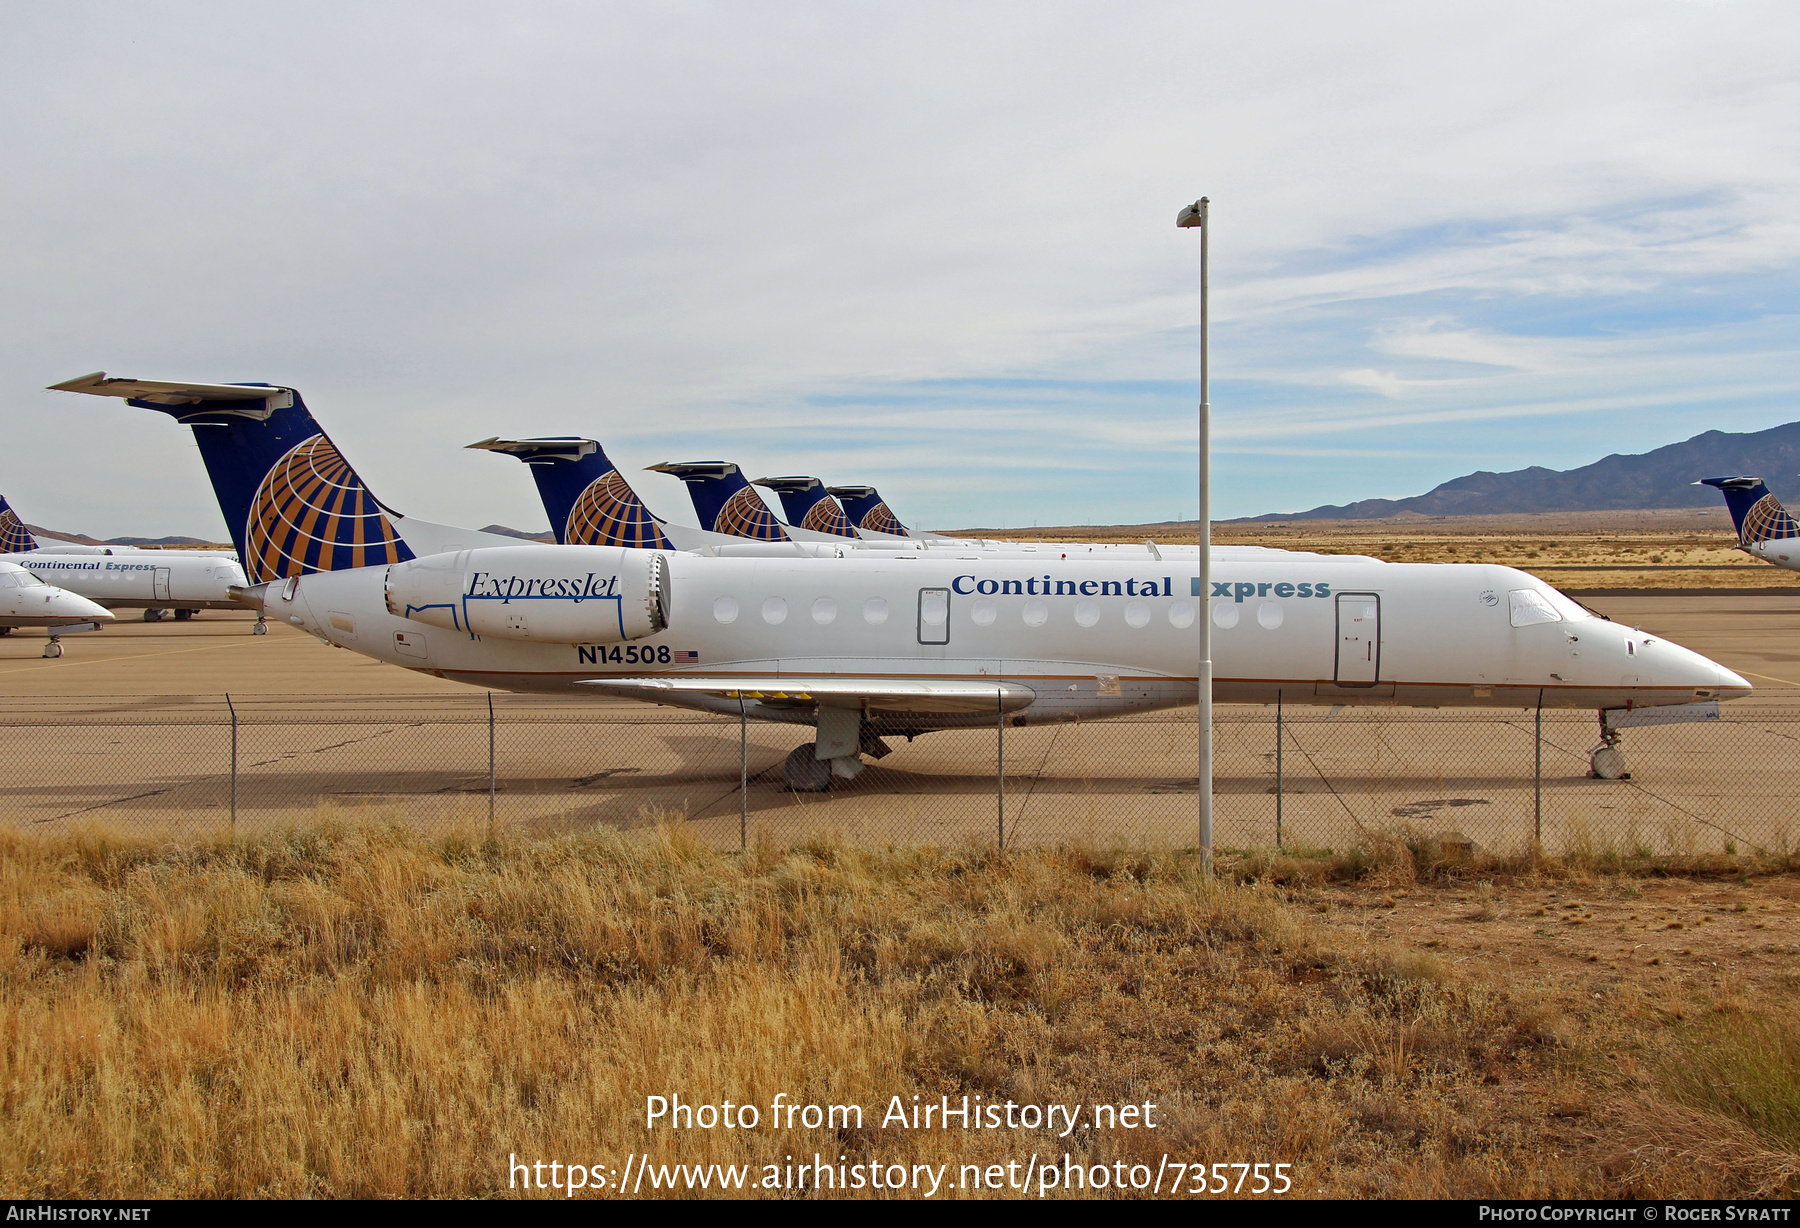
(1195, 215)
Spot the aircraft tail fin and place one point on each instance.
(1755, 511)
(809, 506)
(864, 506)
(292, 502)
(724, 501)
(586, 497)
(15, 538)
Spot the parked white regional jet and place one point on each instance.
(26, 601)
(900, 643)
(121, 577)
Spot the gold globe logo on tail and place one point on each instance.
(312, 513)
(15, 538)
(744, 515)
(880, 520)
(609, 513)
(1767, 520)
(826, 516)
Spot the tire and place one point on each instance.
(261, 628)
(805, 772)
(153, 615)
(182, 616)
(53, 650)
(1608, 763)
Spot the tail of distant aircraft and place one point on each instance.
(586, 497)
(293, 504)
(866, 510)
(15, 538)
(1756, 512)
(724, 501)
(809, 506)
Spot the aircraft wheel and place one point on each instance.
(53, 649)
(182, 616)
(1608, 763)
(805, 772)
(6, 630)
(261, 628)
(153, 616)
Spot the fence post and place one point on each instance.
(1537, 776)
(1000, 763)
(1278, 779)
(234, 757)
(743, 777)
(490, 699)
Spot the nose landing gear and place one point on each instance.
(1607, 760)
(261, 627)
(53, 648)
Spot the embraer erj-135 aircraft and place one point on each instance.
(120, 577)
(903, 642)
(26, 601)
(1764, 527)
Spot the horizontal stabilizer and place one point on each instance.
(881, 694)
(530, 450)
(163, 392)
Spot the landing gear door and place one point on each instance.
(1358, 639)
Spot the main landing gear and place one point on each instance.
(154, 615)
(837, 754)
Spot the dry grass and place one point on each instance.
(364, 1010)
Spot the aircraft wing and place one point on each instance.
(878, 694)
(161, 392)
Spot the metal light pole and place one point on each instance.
(1195, 215)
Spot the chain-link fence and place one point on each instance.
(1306, 778)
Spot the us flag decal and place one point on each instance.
(682, 654)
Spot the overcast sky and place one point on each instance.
(926, 246)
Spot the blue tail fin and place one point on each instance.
(293, 504)
(808, 506)
(867, 511)
(1756, 512)
(586, 497)
(15, 538)
(725, 502)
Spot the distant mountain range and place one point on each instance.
(1651, 479)
(82, 539)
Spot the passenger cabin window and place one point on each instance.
(934, 616)
(1530, 606)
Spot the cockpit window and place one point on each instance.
(1571, 610)
(1530, 606)
(9, 579)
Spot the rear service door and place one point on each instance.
(934, 616)
(160, 585)
(1358, 639)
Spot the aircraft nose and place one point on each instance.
(1689, 669)
(65, 604)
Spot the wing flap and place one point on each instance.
(879, 694)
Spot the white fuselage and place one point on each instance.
(26, 601)
(1088, 638)
(1781, 551)
(152, 579)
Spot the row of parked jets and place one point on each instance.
(840, 617)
